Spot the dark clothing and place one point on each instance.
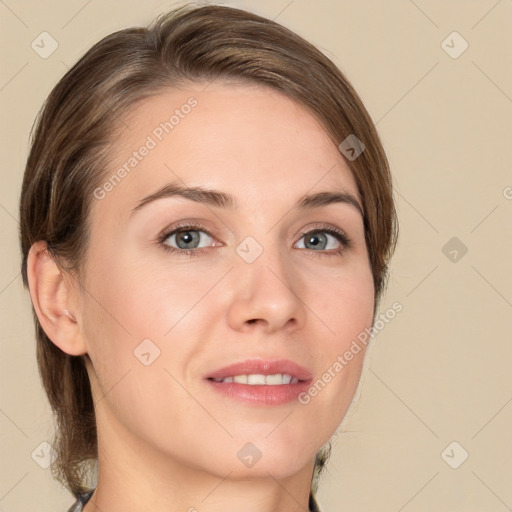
(81, 500)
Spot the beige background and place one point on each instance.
(440, 371)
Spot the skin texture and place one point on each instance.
(167, 441)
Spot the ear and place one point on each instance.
(51, 298)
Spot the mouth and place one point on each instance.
(260, 382)
(259, 379)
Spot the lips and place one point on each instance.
(262, 367)
(255, 393)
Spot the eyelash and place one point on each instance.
(340, 235)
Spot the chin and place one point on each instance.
(281, 454)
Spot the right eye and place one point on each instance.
(185, 240)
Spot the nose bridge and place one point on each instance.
(271, 266)
(266, 286)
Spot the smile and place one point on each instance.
(258, 379)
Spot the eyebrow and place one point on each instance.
(219, 199)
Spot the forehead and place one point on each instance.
(248, 140)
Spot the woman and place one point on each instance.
(206, 224)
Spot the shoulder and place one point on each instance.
(81, 500)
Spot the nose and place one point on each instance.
(266, 295)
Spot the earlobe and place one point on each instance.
(51, 299)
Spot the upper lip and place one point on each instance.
(262, 367)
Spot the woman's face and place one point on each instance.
(264, 279)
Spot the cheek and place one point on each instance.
(133, 302)
(125, 319)
(114, 319)
(346, 311)
(137, 313)
(344, 304)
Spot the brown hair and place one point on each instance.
(68, 159)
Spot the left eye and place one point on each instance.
(320, 239)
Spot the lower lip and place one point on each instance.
(262, 395)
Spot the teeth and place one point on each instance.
(259, 379)
(273, 379)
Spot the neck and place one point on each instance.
(132, 476)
